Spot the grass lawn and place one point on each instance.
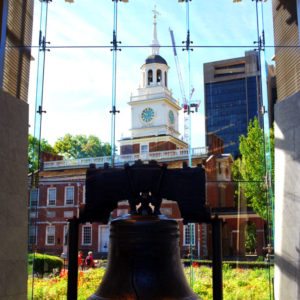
(238, 284)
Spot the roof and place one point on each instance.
(154, 58)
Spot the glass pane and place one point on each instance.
(204, 97)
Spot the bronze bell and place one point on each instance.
(144, 261)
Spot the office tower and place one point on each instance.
(231, 98)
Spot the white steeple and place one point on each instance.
(155, 44)
(154, 111)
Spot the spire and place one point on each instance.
(155, 44)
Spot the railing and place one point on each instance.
(169, 155)
(149, 96)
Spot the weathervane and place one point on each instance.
(155, 44)
(155, 13)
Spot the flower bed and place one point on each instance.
(238, 284)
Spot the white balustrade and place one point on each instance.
(126, 158)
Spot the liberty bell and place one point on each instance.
(144, 255)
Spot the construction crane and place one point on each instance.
(187, 107)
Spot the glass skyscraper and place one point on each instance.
(231, 98)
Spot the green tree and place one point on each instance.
(81, 146)
(33, 149)
(250, 237)
(250, 168)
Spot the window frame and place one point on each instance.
(187, 229)
(144, 148)
(159, 78)
(150, 77)
(32, 228)
(49, 235)
(48, 196)
(50, 214)
(83, 194)
(65, 235)
(83, 243)
(35, 202)
(66, 194)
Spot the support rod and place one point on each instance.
(188, 49)
(40, 80)
(73, 258)
(113, 111)
(4, 14)
(38, 118)
(217, 258)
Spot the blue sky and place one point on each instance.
(78, 89)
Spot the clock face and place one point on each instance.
(171, 117)
(147, 114)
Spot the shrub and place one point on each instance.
(44, 263)
(260, 263)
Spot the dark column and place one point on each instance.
(217, 258)
(3, 26)
(73, 259)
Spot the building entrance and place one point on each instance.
(103, 238)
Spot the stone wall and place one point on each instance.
(287, 198)
(13, 191)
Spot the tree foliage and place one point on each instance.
(81, 146)
(33, 149)
(250, 237)
(250, 168)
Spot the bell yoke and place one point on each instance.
(144, 255)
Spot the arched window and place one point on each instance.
(150, 77)
(166, 82)
(158, 76)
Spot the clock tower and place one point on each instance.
(154, 111)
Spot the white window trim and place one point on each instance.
(69, 214)
(66, 188)
(82, 235)
(48, 192)
(35, 228)
(100, 241)
(46, 242)
(66, 232)
(33, 214)
(37, 200)
(143, 145)
(50, 214)
(83, 194)
(192, 229)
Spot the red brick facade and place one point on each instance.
(220, 198)
(153, 146)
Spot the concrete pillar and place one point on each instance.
(13, 197)
(287, 198)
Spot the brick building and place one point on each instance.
(62, 192)
(154, 136)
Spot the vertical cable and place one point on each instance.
(114, 84)
(266, 133)
(38, 119)
(187, 48)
